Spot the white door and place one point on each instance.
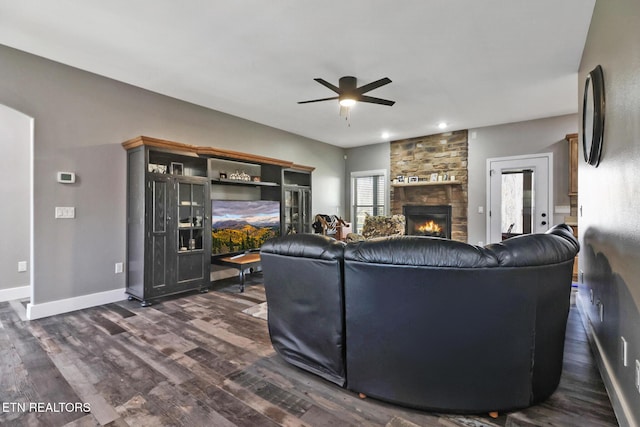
(519, 195)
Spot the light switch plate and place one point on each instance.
(67, 212)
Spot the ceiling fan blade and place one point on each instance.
(318, 100)
(371, 99)
(329, 85)
(373, 85)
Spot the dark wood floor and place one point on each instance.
(197, 360)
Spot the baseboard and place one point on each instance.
(19, 292)
(38, 311)
(621, 408)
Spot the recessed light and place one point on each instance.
(385, 135)
(442, 125)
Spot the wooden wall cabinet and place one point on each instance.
(572, 139)
(572, 219)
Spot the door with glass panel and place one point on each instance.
(519, 196)
(297, 210)
(193, 245)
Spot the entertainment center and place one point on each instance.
(188, 205)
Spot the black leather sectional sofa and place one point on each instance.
(425, 322)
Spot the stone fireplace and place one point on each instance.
(431, 171)
(434, 221)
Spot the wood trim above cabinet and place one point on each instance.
(302, 168)
(205, 151)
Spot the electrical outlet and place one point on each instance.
(638, 375)
(119, 267)
(623, 350)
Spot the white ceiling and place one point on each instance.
(470, 63)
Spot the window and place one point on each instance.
(369, 196)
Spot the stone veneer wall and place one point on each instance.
(445, 153)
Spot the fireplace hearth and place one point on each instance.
(434, 221)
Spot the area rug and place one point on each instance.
(258, 310)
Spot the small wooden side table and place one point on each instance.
(242, 263)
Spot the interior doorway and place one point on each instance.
(16, 252)
(519, 195)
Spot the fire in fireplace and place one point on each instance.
(430, 228)
(432, 221)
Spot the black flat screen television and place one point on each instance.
(242, 225)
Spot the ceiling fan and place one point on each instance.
(349, 93)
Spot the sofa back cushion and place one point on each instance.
(420, 251)
(555, 246)
(303, 281)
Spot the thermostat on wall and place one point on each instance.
(66, 177)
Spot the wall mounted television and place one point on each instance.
(242, 225)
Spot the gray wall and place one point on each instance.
(15, 188)
(514, 139)
(610, 225)
(80, 121)
(365, 158)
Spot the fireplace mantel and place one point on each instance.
(421, 183)
(402, 185)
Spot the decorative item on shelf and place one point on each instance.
(223, 175)
(434, 177)
(445, 177)
(452, 177)
(400, 178)
(177, 168)
(413, 179)
(255, 178)
(439, 177)
(240, 176)
(155, 168)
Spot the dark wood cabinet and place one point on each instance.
(170, 190)
(168, 227)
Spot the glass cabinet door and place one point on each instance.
(191, 215)
(297, 211)
(306, 211)
(291, 212)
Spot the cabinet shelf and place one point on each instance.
(222, 181)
